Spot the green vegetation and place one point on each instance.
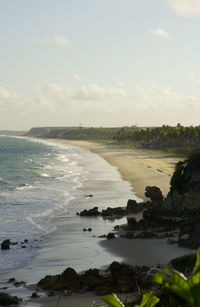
(176, 289)
(77, 133)
(179, 181)
(184, 263)
(165, 136)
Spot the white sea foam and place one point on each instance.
(27, 209)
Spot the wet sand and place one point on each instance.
(140, 167)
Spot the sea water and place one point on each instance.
(40, 181)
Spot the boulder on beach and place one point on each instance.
(110, 236)
(5, 244)
(90, 212)
(155, 194)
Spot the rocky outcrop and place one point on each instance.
(133, 207)
(5, 244)
(8, 300)
(118, 277)
(117, 212)
(90, 212)
(155, 194)
(184, 192)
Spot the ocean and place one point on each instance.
(42, 185)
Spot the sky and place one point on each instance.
(99, 63)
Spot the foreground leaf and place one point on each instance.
(112, 300)
(148, 300)
(196, 268)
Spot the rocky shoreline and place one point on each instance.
(161, 218)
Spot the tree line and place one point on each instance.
(161, 136)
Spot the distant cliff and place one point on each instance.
(75, 133)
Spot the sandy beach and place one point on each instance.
(140, 167)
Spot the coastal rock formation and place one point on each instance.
(155, 194)
(5, 244)
(90, 212)
(110, 236)
(7, 299)
(117, 212)
(133, 207)
(118, 277)
(184, 195)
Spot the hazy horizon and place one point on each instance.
(99, 63)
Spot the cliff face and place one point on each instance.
(185, 185)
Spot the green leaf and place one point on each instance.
(195, 292)
(196, 268)
(180, 285)
(160, 277)
(148, 300)
(112, 300)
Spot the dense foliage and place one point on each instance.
(163, 136)
(179, 180)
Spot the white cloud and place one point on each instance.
(163, 99)
(187, 8)
(76, 77)
(57, 40)
(95, 93)
(59, 105)
(193, 76)
(159, 33)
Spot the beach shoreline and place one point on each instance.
(140, 167)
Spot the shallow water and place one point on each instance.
(42, 206)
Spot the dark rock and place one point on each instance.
(113, 212)
(23, 246)
(34, 295)
(185, 263)
(5, 244)
(155, 194)
(133, 207)
(102, 236)
(132, 223)
(19, 283)
(89, 195)
(11, 280)
(146, 235)
(184, 192)
(89, 229)
(14, 243)
(26, 241)
(190, 233)
(110, 236)
(90, 212)
(84, 229)
(116, 227)
(7, 299)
